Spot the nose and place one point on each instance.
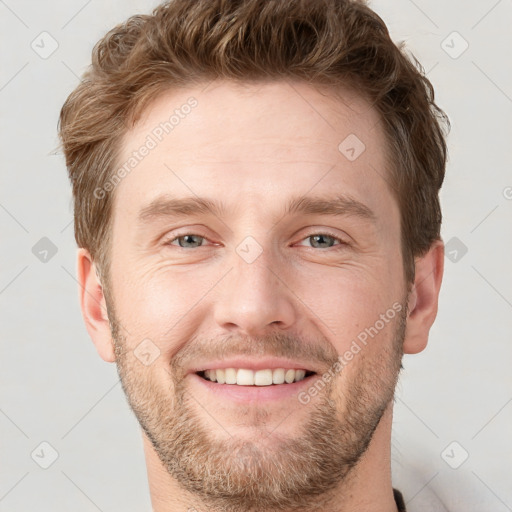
(252, 299)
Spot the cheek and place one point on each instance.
(343, 302)
(159, 302)
(166, 302)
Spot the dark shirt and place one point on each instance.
(399, 500)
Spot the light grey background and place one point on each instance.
(56, 389)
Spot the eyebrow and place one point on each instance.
(168, 207)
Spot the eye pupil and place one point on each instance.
(321, 239)
(188, 238)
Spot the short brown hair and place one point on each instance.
(339, 43)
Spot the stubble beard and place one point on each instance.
(237, 475)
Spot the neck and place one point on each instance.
(368, 486)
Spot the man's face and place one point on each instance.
(258, 286)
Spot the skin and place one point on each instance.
(254, 147)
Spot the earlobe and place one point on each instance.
(93, 306)
(423, 298)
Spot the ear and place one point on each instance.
(93, 305)
(423, 298)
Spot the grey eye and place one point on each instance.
(187, 241)
(321, 241)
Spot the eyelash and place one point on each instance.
(322, 233)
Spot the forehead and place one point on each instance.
(247, 143)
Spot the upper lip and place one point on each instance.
(254, 364)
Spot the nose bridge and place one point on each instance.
(252, 297)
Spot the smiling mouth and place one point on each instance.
(246, 377)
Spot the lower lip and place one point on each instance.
(244, 394)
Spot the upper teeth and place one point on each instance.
(244, 377)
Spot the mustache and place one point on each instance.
(275, 344)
